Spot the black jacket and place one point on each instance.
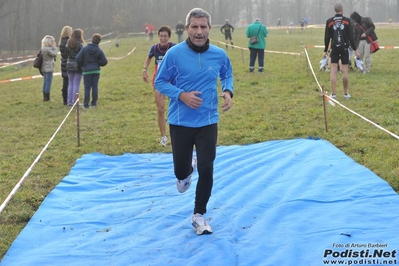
(348, 32)
(367, 25)
(180, 29)
(71, 58)
(63, 56)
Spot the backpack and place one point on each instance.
(338, 42)
(38, 60)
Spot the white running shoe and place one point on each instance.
(183, 185)
(334, 96)
(347, 96)
(164, 141)
(200, 225)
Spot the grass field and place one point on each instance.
(282, 103)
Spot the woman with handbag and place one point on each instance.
(49, 53)
(256, 32)
(364, 35)
(73, 47)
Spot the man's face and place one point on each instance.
(198, 31)
(163, 38)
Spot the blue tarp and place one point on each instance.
(289, 202)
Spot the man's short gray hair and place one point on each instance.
(198, 13)
(338, 7)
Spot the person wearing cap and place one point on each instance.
(227, 29)
(256, 49)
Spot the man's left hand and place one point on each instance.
(227, 100)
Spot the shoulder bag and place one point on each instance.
(255, 39)
(374, 47)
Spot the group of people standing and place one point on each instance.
(77, 60)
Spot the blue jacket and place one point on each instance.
(184, 70)
(91, 57)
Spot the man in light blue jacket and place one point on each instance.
(257, 49)
(188, 76)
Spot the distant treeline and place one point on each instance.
(25, 22)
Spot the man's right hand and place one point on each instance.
(191, 99)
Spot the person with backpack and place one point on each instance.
(158, 51)
(364, 27)
(339, 31)
(49, 53)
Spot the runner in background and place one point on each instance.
(158, 51)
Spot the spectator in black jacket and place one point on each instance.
(64, 37)
(91, 58)
(180, 30)
(364, 27)
(227, 29)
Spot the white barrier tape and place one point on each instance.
(266, 51)
(343, 106)
(22, 180)
(31, 59)
(101, 43)
(27, 78)
(122, 57)
(33, 56)
(16, 63)
(58, 73)
(17, 57)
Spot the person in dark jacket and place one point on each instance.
(73, 47)
(227, 29)
(179, 31)
(91, 58)
(364, 27)
(64, 37)
(339, 21)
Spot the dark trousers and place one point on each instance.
(183, 141)
(253, 53)
(64, 89)
(91, 83)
